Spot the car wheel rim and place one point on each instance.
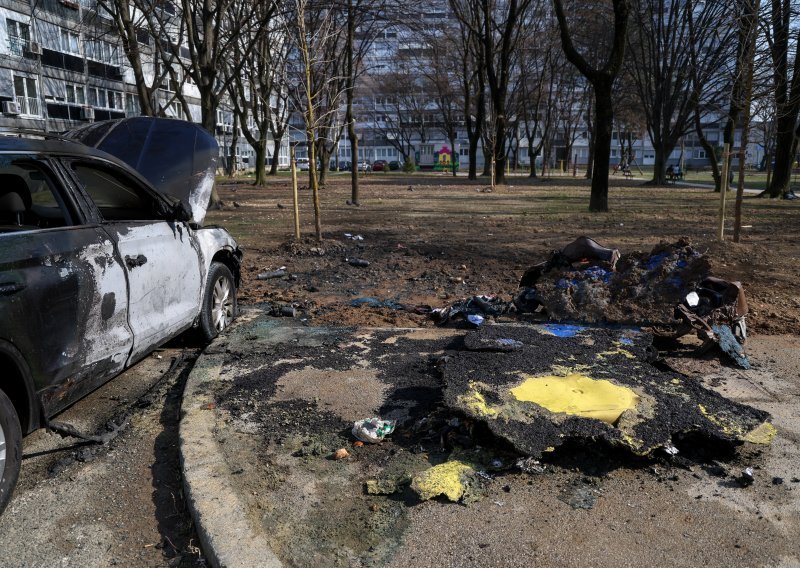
(222, 303)
(2, 452)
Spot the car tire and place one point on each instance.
(10, 449)
(219, 302)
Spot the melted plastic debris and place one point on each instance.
(456, 480)
(563, 329)
(485, 385)
(578, 395)
(730, 345)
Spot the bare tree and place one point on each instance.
(601, 76)
(260, 86)
(499, 27)
(783, 39)
(313, 26)
(671, 41)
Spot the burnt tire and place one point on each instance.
(219, 302)
(10, 449)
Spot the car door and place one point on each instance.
(160, 255)
(63, 291)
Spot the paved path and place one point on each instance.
(266, 406)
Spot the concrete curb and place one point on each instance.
(227, 537)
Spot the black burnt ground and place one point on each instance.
(672, 407)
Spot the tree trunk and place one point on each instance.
(261, 157)
(532, 158)
(473, 157)
(276, 150)
(325, 158)
(604, 124)
(784, 144)
(312, 179)
(453, 155)
(234, 145)
(351, 134)
(500, 157)
(660, 167)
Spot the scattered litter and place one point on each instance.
(497, 463)
(288, 311)
(456, 480)
(357, 262)
(273, 274)
(353, 237)
(563, 329)
(482, 305)
(475, 319)
(373, 430)
(341, 454)
(581, 493)
(777, 481)
(376, 303)
(530, 465)
(671, 450)
(747, 477)
(717, 317)
(358, 444)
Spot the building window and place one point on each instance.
(70, 42)
(700, 154)
(19, 36)
(114, 100)
(132, 104)
(27, 95)
(76, 94)
(102, 51)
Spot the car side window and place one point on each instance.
(116, 196)
(29, 196)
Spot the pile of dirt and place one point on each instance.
(444, 242)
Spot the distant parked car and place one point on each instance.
(364, 166)
(394, 165)
(303, 164)
(379, 165)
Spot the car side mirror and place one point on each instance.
(182, 212)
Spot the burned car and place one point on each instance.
(103, 257)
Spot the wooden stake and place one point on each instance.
(723, 189)
(295, 202)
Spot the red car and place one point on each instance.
(379, 165)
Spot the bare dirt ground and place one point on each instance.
(433, 239)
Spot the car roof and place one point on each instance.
(59, 146)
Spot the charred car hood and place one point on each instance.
(178, 158)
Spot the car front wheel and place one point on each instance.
(219, 301)
(10, 449)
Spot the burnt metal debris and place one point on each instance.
(669, 291)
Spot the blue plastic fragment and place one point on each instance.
(655, 261)
(598, 273)
(475, 319)
(729, 344)
(564, 329)
(675, 281)
(562, 284)
(681, 263)
(626, 340)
